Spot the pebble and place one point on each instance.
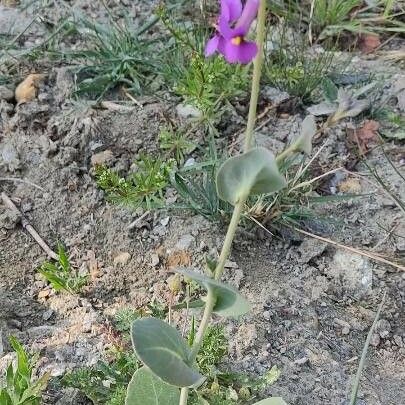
(375, 340)
(301, 361)
(354, 271)
(154, 260)
(43, 294)
(383, 328)
(187, 111)
(311, 248)
(185, 242)
(122, 259)
(47, 314)
(398, 340)
(101, 158)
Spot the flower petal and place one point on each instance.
(248, 15)
(212, 45)
(231, 9)
(243, 53)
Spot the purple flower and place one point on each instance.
(233, 25)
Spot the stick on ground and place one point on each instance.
(26, 225)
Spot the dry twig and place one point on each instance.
(26, 225)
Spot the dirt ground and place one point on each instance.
(313, 303)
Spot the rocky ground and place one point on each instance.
(313, 303)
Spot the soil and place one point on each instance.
(313, 303)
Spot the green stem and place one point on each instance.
(287, 152)
(237, 211)
(257, 74)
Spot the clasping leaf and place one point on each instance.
(253, 172)
(162, 349)
(146, 388)
(229, 302)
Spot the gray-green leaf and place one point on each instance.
(161, 348)
(145, 388)
(253, 172)
(308, 130)
(271, 401)
(229, 302)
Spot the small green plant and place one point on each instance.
(175, 143)
(143, 188)
(292, 68)
(331, 18)
(124, 318)
(114, 54)
(105, 382)
(169, 373)
(21, 387)
(205, 84)
(213, 349)
(197, 190)
(61, 275)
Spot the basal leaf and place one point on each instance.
(271, 401)
(161, 348)
(253, 172)
(146, 388)
(229, 301)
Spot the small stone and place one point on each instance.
(375, 340)
(165, 221)
(56, 369)
(311, 248)
(383, 328)
(185, 242)
(47, 314)
(187, 111)
(43, 294)
(154, 260)
(6, 93)
(354, 271)
(274, 95)
(345, 330)
(267, 315)
(9, 157)
(301, 361)
(102, 158)
(122, 259)
(398, 340)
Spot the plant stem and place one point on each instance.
(237, 211)
(230, 234)
(257, 74)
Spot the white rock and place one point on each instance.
(154, 260)
(185, 242)
(354, 271)
(187, 111)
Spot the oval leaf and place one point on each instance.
(253, 172)
(146, 388)
(229, 301)
(271, 401)
(161, 348)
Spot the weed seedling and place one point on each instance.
(105, 382)
(205, 84)
(143, 188)
(61, 276)
(21, 388)
(175, 143)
